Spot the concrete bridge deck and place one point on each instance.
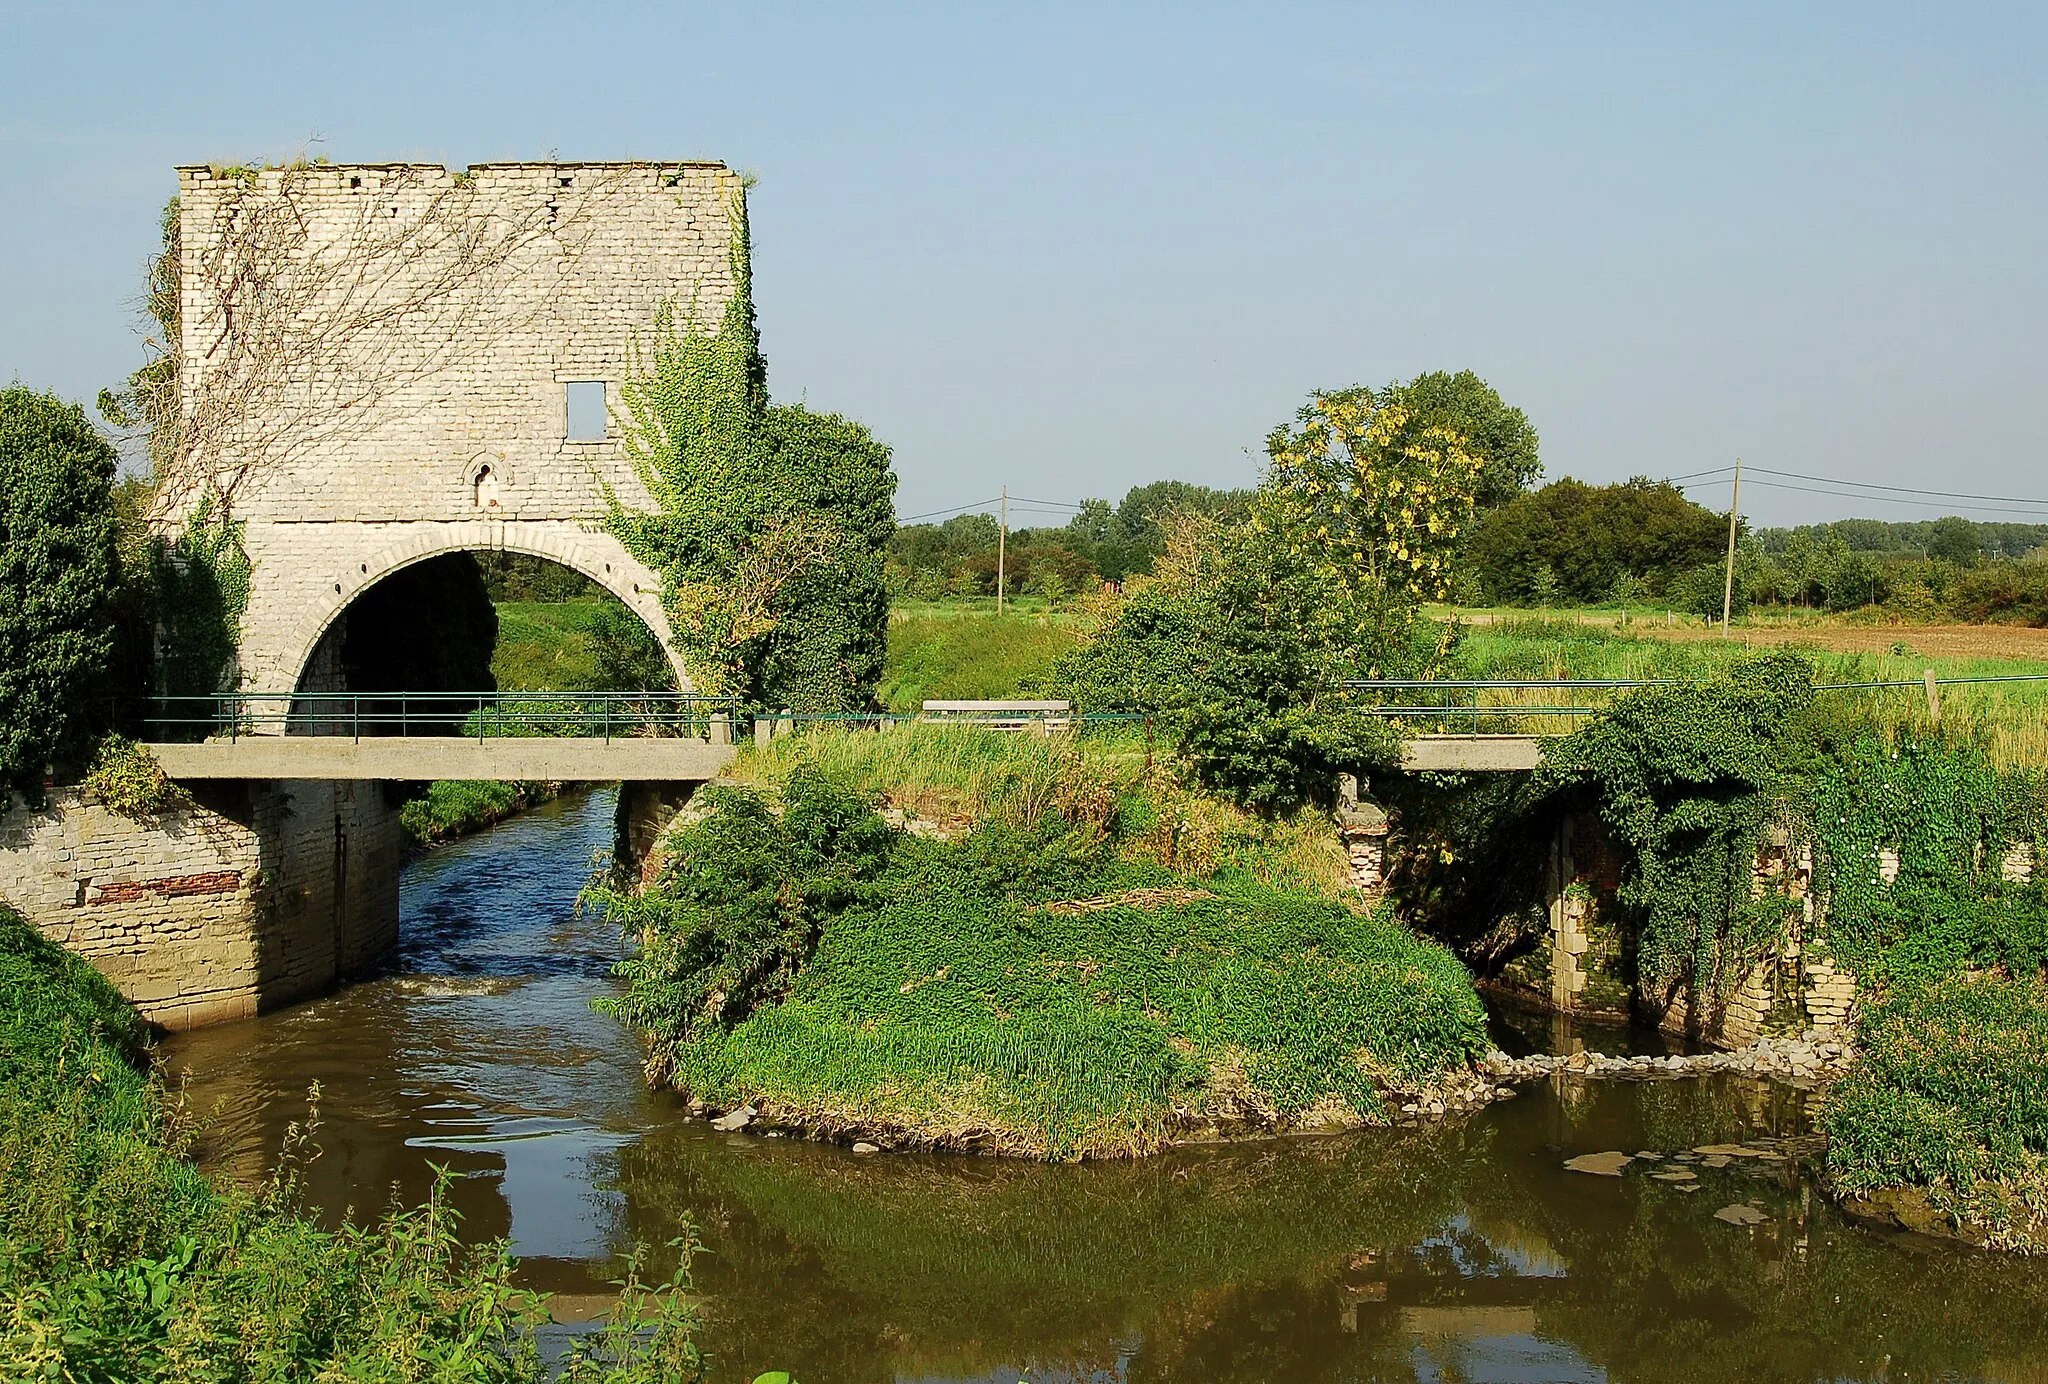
(641, 759)
(417, 758)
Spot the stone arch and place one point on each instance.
(598, 556)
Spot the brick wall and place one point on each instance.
(259, 895)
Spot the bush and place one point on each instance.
(58, 570)
(126, 779)
(2003, 591)
(1950, 1093)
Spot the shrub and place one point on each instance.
(742, 903)
(1950, 1093)
(58, 568)
(126, 778)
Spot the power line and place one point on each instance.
(938, 513)
(1907, 489)
(2040, 515)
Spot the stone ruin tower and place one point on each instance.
(382, 363)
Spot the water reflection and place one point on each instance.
(1464, 1252)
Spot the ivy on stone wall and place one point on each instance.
(201, 580)
(770, 524)
(1689, 777)
(1909, 831)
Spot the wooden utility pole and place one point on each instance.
(1002, 546)
(1728, 582)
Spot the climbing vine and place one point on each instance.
(769, 523)
(201, 580)
(1689, 777)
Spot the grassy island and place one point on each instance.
(1049, 952)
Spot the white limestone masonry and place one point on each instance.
(257, 895)
(463, 443)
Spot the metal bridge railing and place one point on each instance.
(475, 715)
(1454, 700)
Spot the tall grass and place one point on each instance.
(2010, 720)
(120, 1261)
(975, 655)
(952, 777)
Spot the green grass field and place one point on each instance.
(968, 652)
(544, 646)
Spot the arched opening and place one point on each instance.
(408, 652)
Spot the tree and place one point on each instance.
(827, 649)
(58, 570)
(1251, 625)
(1501, 436)
(1590, 537)
(1956, 540)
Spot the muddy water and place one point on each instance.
(1461, 1253)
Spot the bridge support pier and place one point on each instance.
(253, 894)
(645, 811)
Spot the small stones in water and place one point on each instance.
(1716, 1160)
(1687, 1187)
(735, 1120)
(1648, 1153)
(1740, 1213)
(1607, 1164)
(864, 1148)
(1676, 1175)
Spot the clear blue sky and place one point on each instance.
(1073, 248)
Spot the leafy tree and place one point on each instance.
(1500, 435)
(826, 651)
(1955, 540)
(1247, 631)
(58, 567)
(769, 524)
(1589, 537)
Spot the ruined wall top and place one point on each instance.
(400, 341)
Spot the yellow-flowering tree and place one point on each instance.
(1377, 494)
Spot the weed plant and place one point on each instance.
(1950, 1093)
(120, 1261)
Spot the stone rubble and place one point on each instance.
(1803, 1062)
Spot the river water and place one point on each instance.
(1465, 1252)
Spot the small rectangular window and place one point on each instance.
(586, 411)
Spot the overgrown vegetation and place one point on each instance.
(126, 779)
(770, 523)
(58, 565)
(1916, 840)
(452, 808)
(120, 1261)
(1090, 965)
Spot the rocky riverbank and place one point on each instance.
(1802, 1062)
